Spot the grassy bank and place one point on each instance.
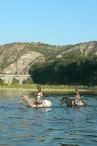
(45, 87)
(50, 89)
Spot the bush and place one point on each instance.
(1, 82)
(15, 81)
(28, 81)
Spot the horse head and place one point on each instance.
(63, 100)
(23, 99)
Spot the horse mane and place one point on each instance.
(65, 97)
(28, 98)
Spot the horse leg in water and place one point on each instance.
(73, 103)
(39, 101)
(85, 103)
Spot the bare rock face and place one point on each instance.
(16, 58)
(22, 65)
(83, 49)
(10, 69)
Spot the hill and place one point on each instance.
(16, 58)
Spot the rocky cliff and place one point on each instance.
(16, 58)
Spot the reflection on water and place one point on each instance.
(55, 126)
(68, 145)
(10, 93)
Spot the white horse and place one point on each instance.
(31, 102)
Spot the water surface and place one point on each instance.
(55, 126)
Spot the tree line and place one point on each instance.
(70, 70)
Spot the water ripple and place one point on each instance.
(57, 126)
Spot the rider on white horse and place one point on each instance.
(39, 94)
(32, 103)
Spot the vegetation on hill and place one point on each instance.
(51, 64)
(72, 70)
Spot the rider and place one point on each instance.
(77, 98)
(38, 95)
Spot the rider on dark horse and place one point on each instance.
(77, 99)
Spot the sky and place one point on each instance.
(55, 22)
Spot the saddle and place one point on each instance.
(39, 102)
(77, 103)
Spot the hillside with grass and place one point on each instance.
(18, 57)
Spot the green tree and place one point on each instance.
(15, 81)
(28, 81)
(1, 82)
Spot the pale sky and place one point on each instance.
(55, 22)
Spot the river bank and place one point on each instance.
(49, 89)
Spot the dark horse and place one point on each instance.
(71, 102)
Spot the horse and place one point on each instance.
(70, 102)
(32, 102)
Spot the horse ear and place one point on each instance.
(21, 100)
(63, 97)
(22, 96)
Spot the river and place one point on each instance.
(56, 126)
